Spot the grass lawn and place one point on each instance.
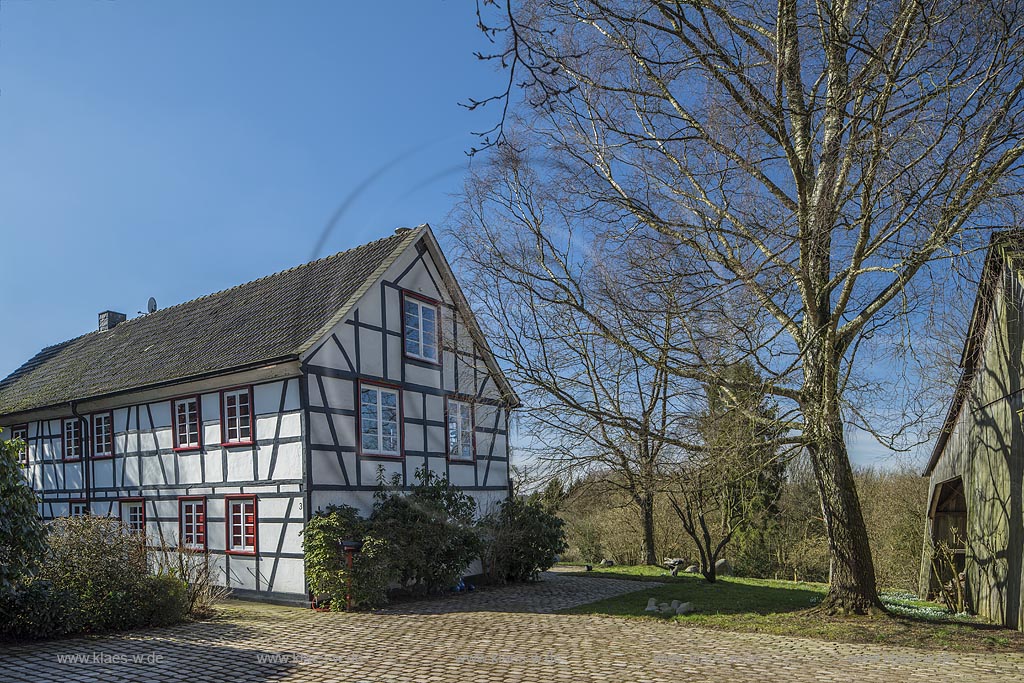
(782, 608)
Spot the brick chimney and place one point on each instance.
(111, 319)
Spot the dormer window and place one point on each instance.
(421, 327)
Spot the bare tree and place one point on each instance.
(818, 155)
(590, 405)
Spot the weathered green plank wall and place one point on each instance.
(986, 449)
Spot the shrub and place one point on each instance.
(372, 573)
(22, 535)
(196, 572)
(327, 571)
(160, 600)
(429, 531)
(36, 609)
(422, 540)
(93, 577)
(100, 562)
(521, 539)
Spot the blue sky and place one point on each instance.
(172, 149)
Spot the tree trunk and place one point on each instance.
(852, 588)
(709, 573)
(647, 515)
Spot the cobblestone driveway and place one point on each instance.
(501, 635)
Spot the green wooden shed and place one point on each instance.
(976, 469)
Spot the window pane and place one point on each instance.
(370, 442)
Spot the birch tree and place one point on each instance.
(820, 156)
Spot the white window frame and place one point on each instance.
(379, 421)
(137, 523)
(416, 325)
(73, 442)
(21, 432)
(229, 422)
(236, 512)
(77, 508)
(98, 441)
(459, 414)
(190, 415)
(189, 527)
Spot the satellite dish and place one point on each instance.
(152, 305)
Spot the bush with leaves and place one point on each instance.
(35, 609)
(372, 574)
(22, 534)
(327, 570)
(160, 600)
(428, 530)
(520, 540)
(101, 563)
(94, 576)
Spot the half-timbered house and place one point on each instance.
(222, 423)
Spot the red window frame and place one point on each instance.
(79, 447)
(246, 533)
(224, 441)
(135, 500)
(199, 423)
(182, 501)
(438, 321)
(387, 386)
(448, 400)
(21, 432)
(109, 414)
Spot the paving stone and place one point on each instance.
(505, 634)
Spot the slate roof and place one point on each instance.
(261, 321)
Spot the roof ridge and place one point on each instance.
(249, 282)
(148, 316)
(249, 322)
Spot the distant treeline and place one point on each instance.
(789, 542)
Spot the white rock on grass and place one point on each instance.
(652, 605)
(675, 603)
(684, 608)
